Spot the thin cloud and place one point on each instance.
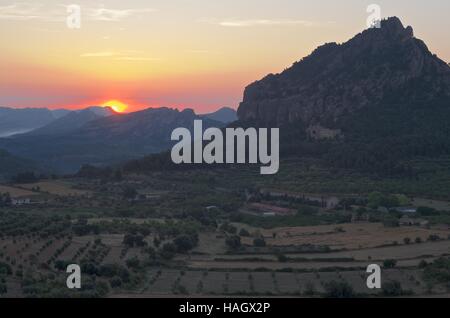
(264, 22)
(120, 56)
(99, 54)
(137, 59)
(26, 12)
(115, 15)
(33, 11)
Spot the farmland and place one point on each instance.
(195, 233)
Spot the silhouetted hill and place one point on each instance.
(73, 121)
(11, 165)
(105, 140)
(224, 115)
(21, 120)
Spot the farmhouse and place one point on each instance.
(406, 209)
(21, 201)
(407, 221)
(270, 210)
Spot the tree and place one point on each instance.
(335, 289)
(243, 232)
(403, 200)
(156, 241)
(259, 242)
(115, 282)
(228, 228)
(168, 250)
(426, 211)
(132, 240)
(407, 240)
(389, 263)
(133, 263)
(377, 199)
(233, 242)
(184, 243)
(102, 288)
(392, 288)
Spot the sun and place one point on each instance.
(116, 105)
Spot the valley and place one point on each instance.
(191, 233)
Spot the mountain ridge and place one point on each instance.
(339, 78)
(106, 140)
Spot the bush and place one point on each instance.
(335, 289)
(244, 232)
(389, 263)
(259, 242)
(392, 289)
(426, 211)
(102, 288)
(185, 243)
(233, 242)
(228, 228)
(423, 263)
(5, 268)
(168, 250)
(133, 263)
(115, 282)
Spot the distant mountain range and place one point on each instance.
(100, 136)
(72, 121)
(224, 115)
(15, 121)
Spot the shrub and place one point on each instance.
(389, 263)
(115, 282)
(392, 288)
(335, 289)
(259, 242)
(233, 242)
(244, 232)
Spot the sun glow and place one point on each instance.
(116, 105)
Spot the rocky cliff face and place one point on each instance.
(337, 79)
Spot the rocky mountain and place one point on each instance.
(374, 102)
(338, 79)
(21, 120)
(224, 115)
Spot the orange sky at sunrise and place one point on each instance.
(180, 53)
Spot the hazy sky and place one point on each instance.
(179, 53)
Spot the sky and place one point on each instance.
(196, 54)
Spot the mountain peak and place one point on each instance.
(224, 115)
(337, 79)
(391, 28)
